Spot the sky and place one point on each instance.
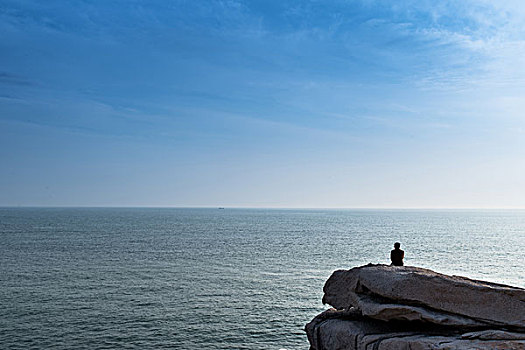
(299, 104)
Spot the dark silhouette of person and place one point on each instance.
(397, 255)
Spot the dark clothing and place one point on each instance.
(397, 256)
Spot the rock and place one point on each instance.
(400, 312)
(343, 334)
(438, 342)
(335, 329)
(483, 302)
(494, 334)
(386, 307)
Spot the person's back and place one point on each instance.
(397, 255)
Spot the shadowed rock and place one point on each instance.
(363, 334)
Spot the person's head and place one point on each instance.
(397, 245)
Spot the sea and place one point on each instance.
(173, 278)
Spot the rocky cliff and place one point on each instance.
(404, 307)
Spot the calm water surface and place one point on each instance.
(216, 279)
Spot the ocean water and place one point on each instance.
(217, 279)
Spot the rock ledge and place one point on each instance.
(391, 307)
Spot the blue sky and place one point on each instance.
(405, 104)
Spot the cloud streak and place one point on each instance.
(13, 79)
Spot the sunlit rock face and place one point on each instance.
(387, 307)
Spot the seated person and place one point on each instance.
(397, 255)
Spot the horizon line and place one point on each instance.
(254, 207)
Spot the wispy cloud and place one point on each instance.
(14, 79)
(482, 43)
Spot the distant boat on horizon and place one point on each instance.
(221, 207)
